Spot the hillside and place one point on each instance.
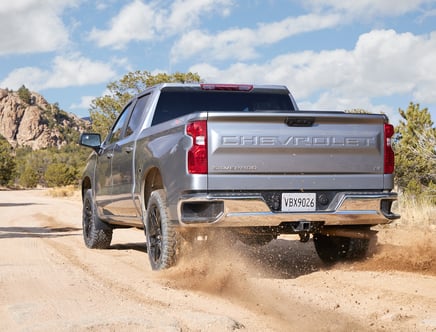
(36, 124)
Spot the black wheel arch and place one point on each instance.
(86, 185)
(152, 181)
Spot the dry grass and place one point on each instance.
(68, 191)
(416, 213)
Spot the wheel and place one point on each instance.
(96, 233)
(332, 249)
(162, 237)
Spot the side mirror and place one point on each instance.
(90, 140)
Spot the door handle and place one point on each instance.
(128, 149)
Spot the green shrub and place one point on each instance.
(58, 175)
(29, 178)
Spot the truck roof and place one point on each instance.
(223, 86)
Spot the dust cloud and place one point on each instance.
(242, 275)
(407, 250)
(231, 269)
(224, 265)
(216, 269)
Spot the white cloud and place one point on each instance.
(382, 64)
(136, 21)
(32, 77)
(78, 71)
(103, 4)
(33, 26)
(139, 21)
(184, 14)
(367, 8)
(241, 43)
(392, 63)
(74, 70)
(85, 103)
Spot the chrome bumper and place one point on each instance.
(252, 210)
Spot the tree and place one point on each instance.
(34, 167)
(29, 177)
(59, 174)
(104, 110)
(24, 94)
(414, 146)
(7, 162)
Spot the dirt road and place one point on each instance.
(49, 281)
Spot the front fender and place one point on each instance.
(88, 175)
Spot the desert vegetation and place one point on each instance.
(416, 213)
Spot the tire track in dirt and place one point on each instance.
(100, 274)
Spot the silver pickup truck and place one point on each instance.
(188, 161)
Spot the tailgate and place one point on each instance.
(297, 143)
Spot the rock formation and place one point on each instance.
(37, 124)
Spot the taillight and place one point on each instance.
(389, 153)
(197, 155)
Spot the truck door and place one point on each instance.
(123, 168)
(104, 170)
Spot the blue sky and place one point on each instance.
(376, 55)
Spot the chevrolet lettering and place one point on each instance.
(302, 141)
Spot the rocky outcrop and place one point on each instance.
(38, 124)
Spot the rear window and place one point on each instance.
(173, 104)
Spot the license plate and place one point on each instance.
(294, 202)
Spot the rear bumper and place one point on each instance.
(252, 211)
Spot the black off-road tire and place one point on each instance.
(96, 233)
(332, 249)
(163, 240)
